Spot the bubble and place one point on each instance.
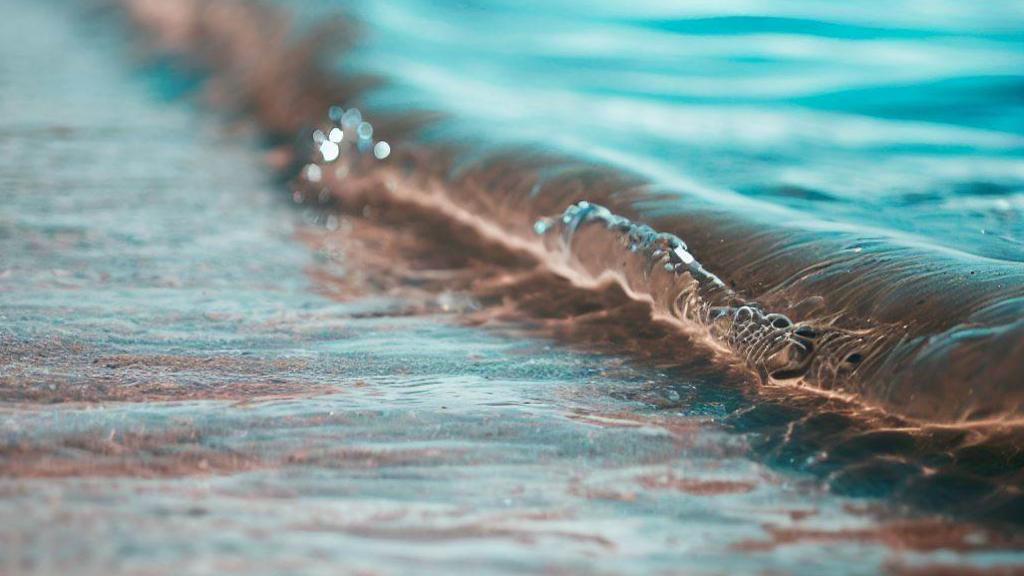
(351, 118)
(365, 130)
(743, 314)
(382, 150)
(336, 135)
(330, 151)
(313, 172)
(318, 137)
(335, 113)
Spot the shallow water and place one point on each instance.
(198, 376)
(886, 233)
(496, 124)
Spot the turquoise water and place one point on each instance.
(904, 118)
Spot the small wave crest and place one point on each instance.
(929, 336)
(921, 331)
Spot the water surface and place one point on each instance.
(198, 376)
(898, 117)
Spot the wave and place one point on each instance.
(927, 334)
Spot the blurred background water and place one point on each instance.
(905, 117)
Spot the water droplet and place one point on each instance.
(330, 151)
(365, 130)
(540, 227)
(313, 172)
(352, 118)
(382, 150)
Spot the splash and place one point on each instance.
(770, 343)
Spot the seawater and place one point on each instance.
(901, 118)
(199, 376)
(909, 303)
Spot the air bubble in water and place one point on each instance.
(335, 113)
(336, 135)
(381, 150)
